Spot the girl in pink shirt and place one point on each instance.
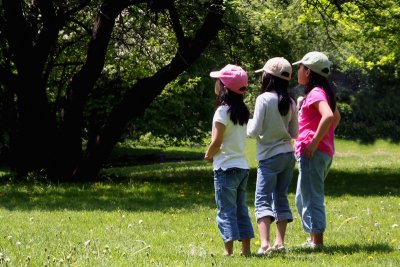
(314, 146)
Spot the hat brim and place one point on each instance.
(257, 71)
(297, 62)
(215, 74)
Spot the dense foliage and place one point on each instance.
(359, 37)
(97, 69)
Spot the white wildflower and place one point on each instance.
(87, 243)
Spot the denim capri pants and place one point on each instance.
(274, 176)
(310, 195)
(230, 195)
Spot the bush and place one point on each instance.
(371, 116)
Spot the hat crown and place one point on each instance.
(233, 77)
(279, 67)
(317, 62)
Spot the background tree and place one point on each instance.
(42, 35)
(363, 44)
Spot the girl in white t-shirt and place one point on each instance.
(226, 152)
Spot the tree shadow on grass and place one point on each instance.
(166, 186)
(347, 249)
(123, 156)
(157, 187)
(143, 196)
(376, 182)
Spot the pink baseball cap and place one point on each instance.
(233, 77)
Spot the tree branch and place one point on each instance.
(48, 35)
(7, 78)
(17, 32)
(176, 25)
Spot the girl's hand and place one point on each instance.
(207, 158)
(323, 127)
(310, 149)
(217, 136)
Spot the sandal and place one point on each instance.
(264, 252)
(279, 249)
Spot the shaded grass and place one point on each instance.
(164, 215)
(150, 189)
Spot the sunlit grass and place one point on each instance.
(351, 156)
(164, 215)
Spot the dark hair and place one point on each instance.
(280, 86)
(239, 113)
(317, 80)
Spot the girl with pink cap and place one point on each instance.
(226, 152)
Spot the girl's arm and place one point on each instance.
(255, 125)
(327, 118)
(216, 141)
(336, 118)
(294, 122)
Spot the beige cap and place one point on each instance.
(279, 67)
(317, 62)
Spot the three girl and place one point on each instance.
(275, 123)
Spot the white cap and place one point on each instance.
(317, 62)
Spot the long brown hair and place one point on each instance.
(239, 113)
(280, 86)
(320, 81)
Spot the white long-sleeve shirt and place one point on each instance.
(273, 131)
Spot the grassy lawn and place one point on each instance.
(164, 215)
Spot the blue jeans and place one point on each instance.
(230, 195)
(310, 195)
(274, 176)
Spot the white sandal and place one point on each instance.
(264, 252)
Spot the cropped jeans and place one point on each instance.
(310, 195)
(230, 195)
(274, 176)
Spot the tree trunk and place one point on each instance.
(35, 134)
(35, 128)
(77, 94)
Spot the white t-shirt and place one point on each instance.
(273, 131)
(231, 154)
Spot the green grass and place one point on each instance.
(164, 215)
